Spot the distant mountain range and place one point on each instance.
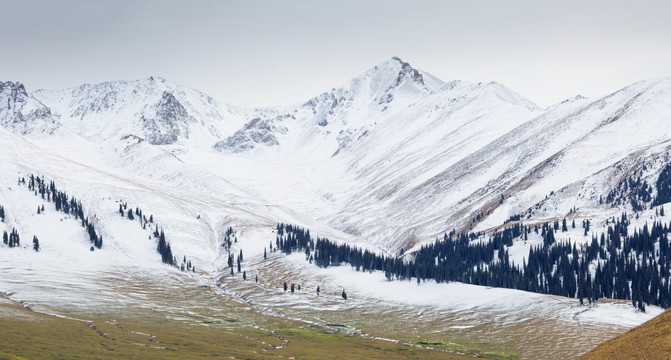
(395, 156)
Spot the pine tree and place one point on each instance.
(130, 214)
(292, 288)
(36, 243)
(265, 255)
(121, 210)
(318, 290)
(344, 295)
(244, 275)
(285, 286)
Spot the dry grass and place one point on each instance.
(25, 334)
(651, 340)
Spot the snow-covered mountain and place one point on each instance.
(340, 114)
(388, 161)
(154, 109)
(390, 141)
(22, 113)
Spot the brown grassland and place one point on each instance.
(25, 334)
(650, 341)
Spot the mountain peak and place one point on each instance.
(22, 113)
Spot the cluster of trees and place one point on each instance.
(229, 238)
(163, 246)
(633, 191)
(638, 193)
(13, 239)
(63, 203)
(138, 212)
(616, 265)
(663, 186)
(186, 265)
(238, 262)
(164, 249)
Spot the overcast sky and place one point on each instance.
(253, 53)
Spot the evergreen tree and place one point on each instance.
(285, 286)
(130, 214)
(36, 243)
(344, 295)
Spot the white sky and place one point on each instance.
(253, 53)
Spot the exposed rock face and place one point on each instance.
(256, 132)
(23, 114)
(169, 123)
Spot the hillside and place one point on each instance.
(652, 340)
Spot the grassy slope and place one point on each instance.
(25, 334)
(652, 340)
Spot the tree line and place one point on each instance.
(616, 264)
